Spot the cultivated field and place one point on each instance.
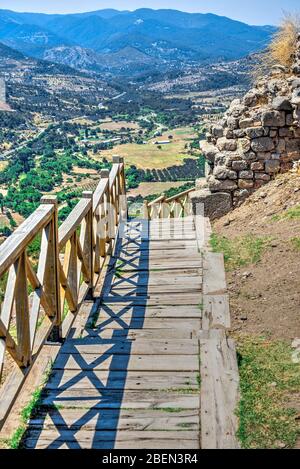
(149, 156)
(118, 125)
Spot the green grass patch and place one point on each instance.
(185, 425)
(169, 409)
(267, 377)
(31, 409)
(188, 390)
(290, 214)
(296, 243)
(240, 251)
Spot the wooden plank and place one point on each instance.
(216, 314)
(137, 347)
(99, 192)
(134, 380)
(108, 440)
(146, 290)
(214, 281)
(127, 362)
(40, 277)
(143, 245)
(155, 277)
(159, 312)
(219, 391)
(159, 265)
(157, 299)
(12, 403)
(70, 225)
(127, 420)
(13, 246)
(149, 323)
(6, 312)
(22, 311)
(145, 332)
(158, 274)
(122, 399)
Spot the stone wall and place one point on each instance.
(258, 137)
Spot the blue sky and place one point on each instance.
(252, 12)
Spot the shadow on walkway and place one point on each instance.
(90, 372)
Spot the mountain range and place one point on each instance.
(112, 40)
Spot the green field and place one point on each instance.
(149, 156)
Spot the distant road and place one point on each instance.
(119, 95)
(9, 153)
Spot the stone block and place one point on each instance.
(262, 144)
(244, 123)
(262, 176)
(256, 132)
(257, 166)
(216, 204)
(273, 119)
(239, 165)
(246, 174)
(225, 144)
(244, 144)
(272, 166)
(222, 172)
(221, 185)
(245, 183)
(281, 103)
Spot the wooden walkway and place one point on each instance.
(128, 375)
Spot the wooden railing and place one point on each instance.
(40, 301)
(177, 206)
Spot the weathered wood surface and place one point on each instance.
(216, 314)
(43, 304)
(214, 282)
(128, 374)
(135, 380)
(219, 390)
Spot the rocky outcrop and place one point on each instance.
(258, 137)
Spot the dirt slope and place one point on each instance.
(265, 296)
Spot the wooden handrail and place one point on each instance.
(156, 201)
(180, 195)
(70, 261)
(176, 206)
(73, 221)
(11, 249)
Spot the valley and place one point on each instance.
(66, 125)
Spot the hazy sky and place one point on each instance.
(253, 11)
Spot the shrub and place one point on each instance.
(282, 47)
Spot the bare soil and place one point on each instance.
(265, 297)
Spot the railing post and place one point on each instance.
(52, 275)
(122, 186)
(161, 207)
(104, 221)
(88, 242)
(146, 210)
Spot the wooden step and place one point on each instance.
(90, 361)
(125, 420)
(129, 311)
(136, 347)
(108, 440)
(156, 324)
(134, 380)
(123, 399)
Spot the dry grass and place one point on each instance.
(281, 50)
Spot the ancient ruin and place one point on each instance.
(258, 137)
